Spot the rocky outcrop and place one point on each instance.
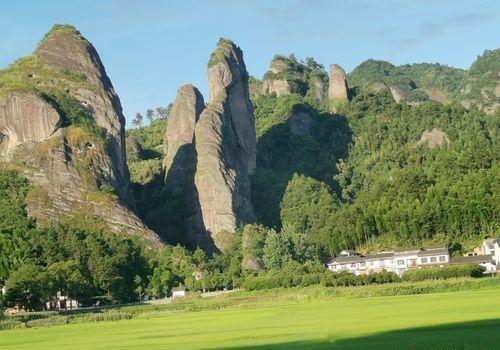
(433, 138)
(275, 81)
(179, 149)
(25, 117)
(317, 86)
(225, 146)
(180, 162)
(397, 94)
(337, 88)
(133, 148)
(64, 130)
(64, 49)
(229, 74)
(377, 86)
(278, 86)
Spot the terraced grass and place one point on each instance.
(459, 320)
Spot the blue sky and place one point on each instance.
(151, 47)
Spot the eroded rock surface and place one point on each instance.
(64, 130)
(25, 117)
(433, 138)
(337, 88)
(225, 146)
(65, 50)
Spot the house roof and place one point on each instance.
(378, 256)
(432, 252)
(346, 260)
(179, 289)
(474, 259)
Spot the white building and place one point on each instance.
(178, 292)
(492, 247)
(397, 261)
(62, 302)
(484, 260)
(3, 290)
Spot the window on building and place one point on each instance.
(442, 258)
(433, 259)
(401, 262)
(353, 266)
(424, 260)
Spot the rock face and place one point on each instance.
(25, 117)
(397, 94)
(134, 148)
(337, 88)
(225, 146)
(179, 149)
(279, 86)
(433, 138)
(77, 164)
(65, 50)
(229, 74)
(180, 161)
(210, 152)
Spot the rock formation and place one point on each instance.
(225, 146)
(275, 81)
(397, 94)
(229, 74)
(433, 138)
(133, 148)
(179, 149)
(180, 163)
(337, 88)
(25, 117)
(65, 50)
(63, 128)
(210, 152)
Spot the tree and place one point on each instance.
(276, 251)
(137, 121)
(163, 112)
(28, 288)
(150, 115)
(68, 278)
(139, 289)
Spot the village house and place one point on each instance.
(484, 260)
(178, 292)
(62, 302)
(490, 247)
(397, 261)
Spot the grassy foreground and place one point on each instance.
(444, 321)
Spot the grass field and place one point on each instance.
(443, 321)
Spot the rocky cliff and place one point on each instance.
(210, 152)
(62, 127)
(337, 87)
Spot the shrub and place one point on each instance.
(443, 273)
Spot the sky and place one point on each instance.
(151, 47)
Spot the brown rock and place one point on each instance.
(278, 86)
(221, 178)
(179, 146)
(433, 138)
(229, 73)
(25, 117)
(134, 148)
(337, 88)
(64, 49)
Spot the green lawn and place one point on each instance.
(444, 321)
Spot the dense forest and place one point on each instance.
(364, 177)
